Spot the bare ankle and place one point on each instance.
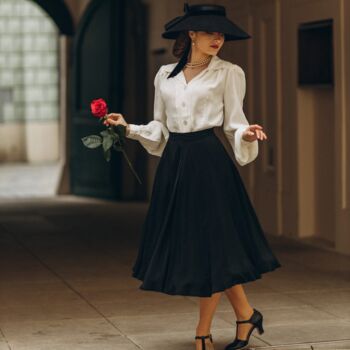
(203, 327)
(244, 314)
(203, 331)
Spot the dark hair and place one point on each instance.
(181, 42)
(181, 49)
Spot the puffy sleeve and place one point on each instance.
(154, 135)
(235, 121)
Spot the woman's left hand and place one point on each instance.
(254, 132)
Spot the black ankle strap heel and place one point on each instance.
(204, 337)
(256, 319)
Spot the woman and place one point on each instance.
(201, 236)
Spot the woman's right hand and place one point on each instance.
(116, 119)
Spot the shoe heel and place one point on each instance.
(260, 327)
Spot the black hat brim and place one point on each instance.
(208, 23)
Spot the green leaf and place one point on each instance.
(105, 132)
(107, 142)
(110, 132)
(92, 141)
(107, 154)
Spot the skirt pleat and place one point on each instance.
(201, 234)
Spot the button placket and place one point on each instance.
(184, 105)
(182, 119)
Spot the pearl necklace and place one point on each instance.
(198, 63)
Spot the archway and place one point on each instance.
(60, 14)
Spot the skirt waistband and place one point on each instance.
(191, 134)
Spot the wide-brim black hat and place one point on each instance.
(211, 18)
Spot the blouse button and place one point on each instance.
(185, 122)
(183, 104)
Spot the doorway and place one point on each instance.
(108, 45)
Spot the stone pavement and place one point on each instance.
(65, 283)
(25, 180)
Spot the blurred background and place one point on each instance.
(57, 56)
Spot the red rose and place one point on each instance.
(99, 107)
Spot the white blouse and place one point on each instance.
(212, 98)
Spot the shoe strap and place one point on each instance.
(204, 336)
(244, 321)
(247, 321)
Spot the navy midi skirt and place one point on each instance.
(201, 234)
